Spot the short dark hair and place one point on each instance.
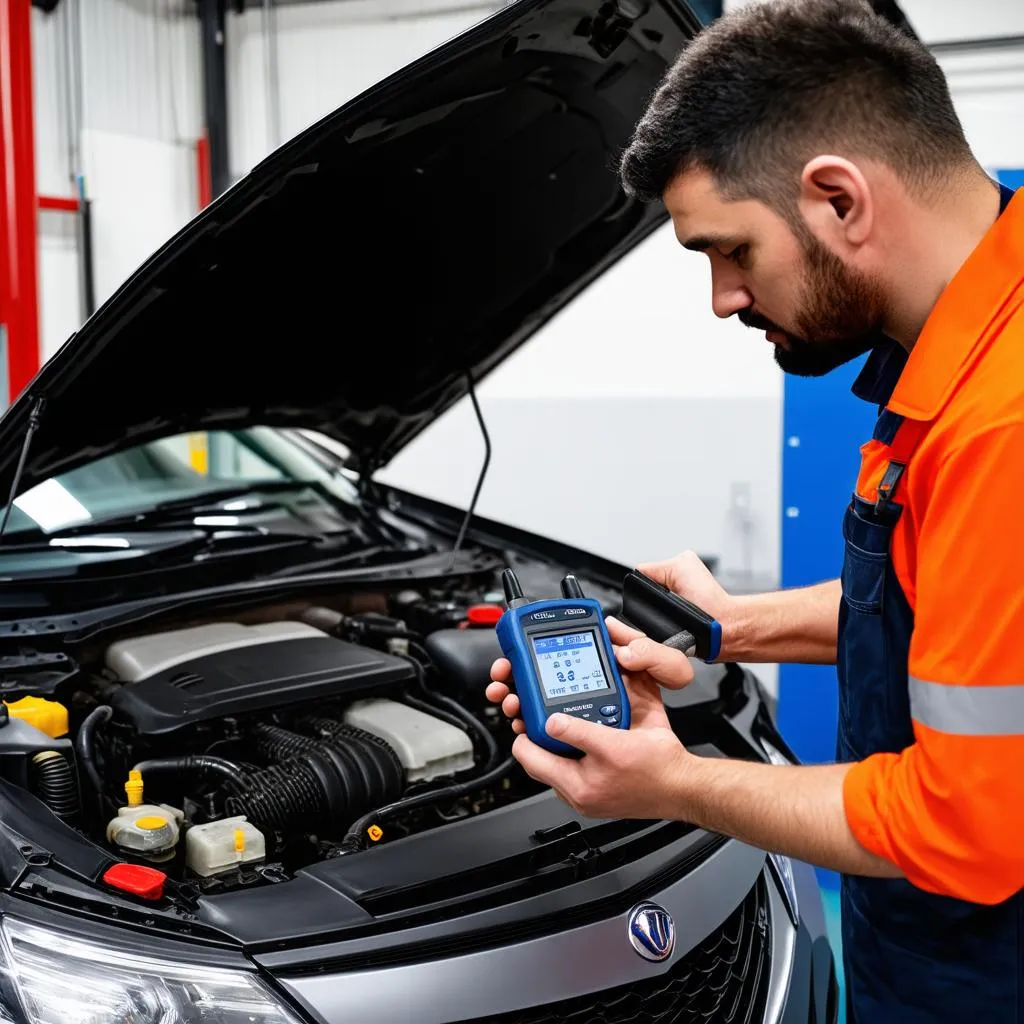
(766, 88)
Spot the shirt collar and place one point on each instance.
(877, 379)
(919, 393)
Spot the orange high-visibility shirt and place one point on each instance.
(949, 810)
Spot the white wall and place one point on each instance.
(140, 107)
(683, 412)
(326, 54)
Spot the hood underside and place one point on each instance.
(355, 280)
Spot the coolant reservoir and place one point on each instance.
(148, 830)
(221, 845)
(46, 715)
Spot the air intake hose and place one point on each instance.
(375, 749)
(317, 783)
(55, 784)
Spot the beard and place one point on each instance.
(840, 319)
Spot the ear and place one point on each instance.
(836, 201)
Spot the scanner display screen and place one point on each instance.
(569, 665)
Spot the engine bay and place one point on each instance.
(233, 750)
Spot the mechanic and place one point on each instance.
(812, 152)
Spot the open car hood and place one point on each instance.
(355, 280)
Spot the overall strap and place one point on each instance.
(902, 436)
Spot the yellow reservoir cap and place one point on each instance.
(46, 715)
(151, 823)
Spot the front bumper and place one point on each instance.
(738, 959)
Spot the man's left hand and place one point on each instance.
(639, 773)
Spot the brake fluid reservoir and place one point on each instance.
(222, 845)
(147, 830)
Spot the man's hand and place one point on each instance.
(646, 773)
(796, 626)
(687, 576)
(625, 774)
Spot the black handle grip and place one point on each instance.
(669, 618)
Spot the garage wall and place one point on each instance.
(322, 54)
(682, 414)
(140, 113)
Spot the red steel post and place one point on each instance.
(19, 285)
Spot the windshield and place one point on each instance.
(172, 469)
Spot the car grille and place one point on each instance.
(721, 981)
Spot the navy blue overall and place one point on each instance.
(910, 957)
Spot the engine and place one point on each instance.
(233, 752)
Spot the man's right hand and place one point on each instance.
(797, 626)
(687, 576)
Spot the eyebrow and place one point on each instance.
(701, 243)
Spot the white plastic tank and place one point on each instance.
(222, 845)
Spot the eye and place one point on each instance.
(738, 255)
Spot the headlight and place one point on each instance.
(62, 979)
(783, 865)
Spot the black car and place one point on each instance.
(247, 770)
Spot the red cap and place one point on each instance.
(484, 614)
(137, 880)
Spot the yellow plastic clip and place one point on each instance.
(133, 787)
(239, 841)
(375, 832)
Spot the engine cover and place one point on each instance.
(181, 678)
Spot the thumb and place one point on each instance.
(590, 737)
(667, 665)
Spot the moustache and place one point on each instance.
(757, 323)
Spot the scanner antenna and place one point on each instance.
(571, 587)
(513, 589)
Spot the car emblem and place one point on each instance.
(652, 932)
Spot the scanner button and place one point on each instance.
(610, 709)
(611, 721)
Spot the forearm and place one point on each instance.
(787, 626)
(794, 810)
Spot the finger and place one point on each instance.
(496, 692)
(501, 670)
(590, 737)
(518, 726)
(667, 665)
(619, 632)
(510, 706)
(660, 572)
(560, 773)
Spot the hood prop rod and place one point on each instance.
(34, 416)
(480, 479)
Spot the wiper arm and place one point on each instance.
(179, 511)
(206, 498)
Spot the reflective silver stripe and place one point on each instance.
(968, 710)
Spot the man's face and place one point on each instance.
(818, 312)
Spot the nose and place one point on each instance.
(728, 293)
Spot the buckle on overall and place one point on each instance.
(891, 477)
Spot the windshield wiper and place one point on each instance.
(209, 499)
(189, 511)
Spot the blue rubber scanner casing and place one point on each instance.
(516, 630)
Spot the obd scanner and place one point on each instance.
(562, 661)
(670, 619)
